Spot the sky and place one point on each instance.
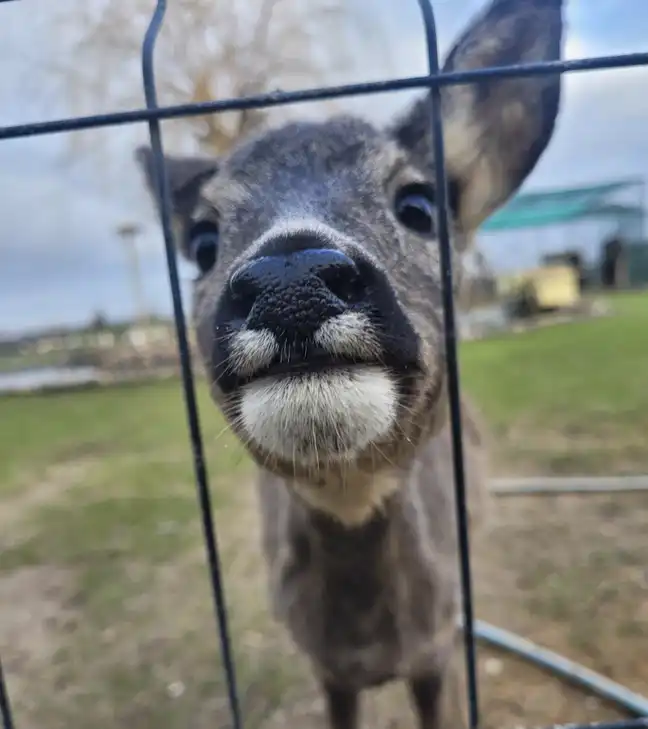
(60, 258)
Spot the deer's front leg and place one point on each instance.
(426, 694)
(341, 706)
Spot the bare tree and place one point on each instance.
(207, 50)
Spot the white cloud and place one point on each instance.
(56, 231)
(575, 48)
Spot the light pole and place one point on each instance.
(128, 232)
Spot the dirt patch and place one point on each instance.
(568, 572)
(528, 450)
(36, 619)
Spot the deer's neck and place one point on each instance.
(336, 542)
(350, 498)
(352, 562)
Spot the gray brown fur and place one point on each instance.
(362, 551)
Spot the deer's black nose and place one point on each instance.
(295, 285)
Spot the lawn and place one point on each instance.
(569, 398)
(106, 616)
(99, 528)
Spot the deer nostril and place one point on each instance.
(344, 282)
(279, 272)
(244, 284)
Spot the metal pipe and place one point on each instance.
(568, 485)
(562, 667)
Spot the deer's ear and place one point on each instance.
(187, 176)
(495, 130)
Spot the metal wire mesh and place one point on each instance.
(153, 114)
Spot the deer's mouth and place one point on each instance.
(317, 415)
(310, 407)
(343, 343)
(311, 363)
(319, 364)
(316, 403)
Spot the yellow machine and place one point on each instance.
(545, 288)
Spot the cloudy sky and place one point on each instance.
(60, 259)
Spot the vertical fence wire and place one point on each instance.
(450, 335)
(200, 467)
(5, 706)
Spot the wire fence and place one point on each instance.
(153, 114)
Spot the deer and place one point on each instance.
(317, 312)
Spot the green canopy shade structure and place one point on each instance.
(555, 207)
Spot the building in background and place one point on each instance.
(581, 227)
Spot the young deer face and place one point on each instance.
(318, 299)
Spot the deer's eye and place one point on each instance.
(415, 208)
(203, 244)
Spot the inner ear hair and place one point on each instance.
(186, 176)
(496, 130)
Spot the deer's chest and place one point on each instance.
(359, 626)
(346, 606)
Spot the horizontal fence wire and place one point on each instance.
(627, 724)
(434, 81)
(282, 98)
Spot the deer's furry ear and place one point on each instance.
(494, 131)
(187, 176)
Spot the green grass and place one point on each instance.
(99, 483)
(131, 492)
(543, 390)
(41, 429)
(580, 383)
(569, 397)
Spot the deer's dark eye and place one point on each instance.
(203, 244)
(415, 208)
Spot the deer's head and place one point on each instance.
(318, 297)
